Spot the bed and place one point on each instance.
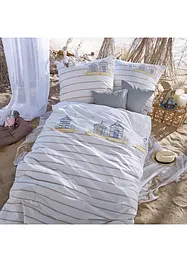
(84, 168)
(89, 163)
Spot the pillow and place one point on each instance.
(138, 100)
(143, 76)
(77, 82)
(117, 99)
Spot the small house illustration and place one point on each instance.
(142, 68)
(116, 130)
(152, 71)
(145, 109)
(93, 67)
(103, 66)
(65, 122)
(145, 141)
(100, 129)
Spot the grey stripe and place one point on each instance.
(44, 204)
(82, 141)
(13, 203)
(50, 182)
(78, 97)
(19, 212)
(72, 77)
(77, 140)
(77, 152)
(98, 207)
(60, 203)
(85, 82)
(43, 213)
(43, 161)
(95, 164)
(17, 221)
(12, 211)
(82, 89)
(60, 212)
(68, 144)
(88, 178)
(134, 82)
(35, 219)
(125, 68)
(70, 71)
(122, 75)
(78, 160)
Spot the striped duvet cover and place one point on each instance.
(84, 168)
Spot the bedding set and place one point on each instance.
(87, 163)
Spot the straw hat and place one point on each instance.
(165, 156)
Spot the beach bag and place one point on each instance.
(10, 135)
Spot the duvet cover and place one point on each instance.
(84, 168)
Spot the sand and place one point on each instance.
(169, 208)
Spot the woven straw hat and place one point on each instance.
(164, 157)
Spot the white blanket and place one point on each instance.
(157, 175)
(85, 167)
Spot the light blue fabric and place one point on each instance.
(117, 99)
(138, 100)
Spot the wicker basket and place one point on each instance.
(172, 117)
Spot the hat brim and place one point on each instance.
(162, 163)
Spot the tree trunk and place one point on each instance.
(4, 78)
(107, 48)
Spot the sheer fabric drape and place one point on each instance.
(28, 68)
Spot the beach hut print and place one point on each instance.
(142, 68)
(152, 71)
(116, 130)
(103, 66)
(145, 109)
(93, 67)
(100, 129)
(146, 69)
(145, 141)
(65, 122)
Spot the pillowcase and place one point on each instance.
(77, 82)
(117, 99)
(143, 76)
(138, 100)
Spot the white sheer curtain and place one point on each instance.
(28, 68)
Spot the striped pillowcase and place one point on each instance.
(76, 83)
(144, 76)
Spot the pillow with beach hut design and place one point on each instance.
(144, 76)
(77, 83)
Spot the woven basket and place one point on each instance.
(171, 117)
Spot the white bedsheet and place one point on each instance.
(85, 167)
(157, 175)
